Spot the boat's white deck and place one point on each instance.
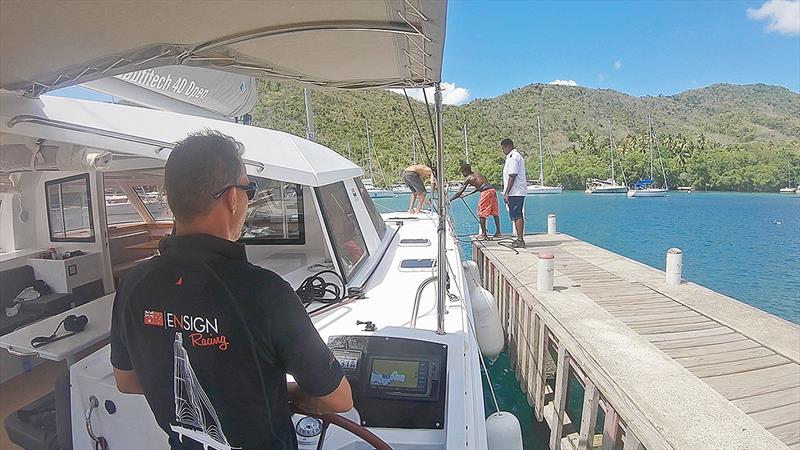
(390, 291)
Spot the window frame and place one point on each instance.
(347, 277)
(371, 208)
(301, 220)
(60, 181)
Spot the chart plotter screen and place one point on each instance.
(395, 373)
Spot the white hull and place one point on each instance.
(608, 190)
(539, 189)
(654, 192)
(788, 190)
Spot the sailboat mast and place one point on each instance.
(369, 150)
(466, 146)
(611, 152)
(311, 133)
(349, 151)
(541, 155)
(414, 148)
(650, 127)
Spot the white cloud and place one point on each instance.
(451, 94)
(783, 16)
(564, 82)
(617, 65)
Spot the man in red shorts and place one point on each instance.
(487, 204)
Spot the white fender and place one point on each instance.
(503, 432)
(472, 272)
(488, 328)
(487, 323)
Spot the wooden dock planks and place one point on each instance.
(733, 360)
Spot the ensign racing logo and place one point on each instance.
(204, 332)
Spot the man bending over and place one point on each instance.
(487, 203)
(414, 177)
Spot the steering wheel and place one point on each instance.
(342, 422)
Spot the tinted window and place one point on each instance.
(342, 224)
(69, 209)
(148, 185)
(154, 198)
(275, 215)
(374, 215)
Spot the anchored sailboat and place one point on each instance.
(608, 186)
(646, 188)
(369, 183)
(789, 189)
(540, 187)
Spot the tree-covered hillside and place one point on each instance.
(723, 137)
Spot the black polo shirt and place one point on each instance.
(211, 338)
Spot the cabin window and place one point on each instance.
(342, 224)
(275, 216)
(374, 215)
(69, 209)
(147, 186)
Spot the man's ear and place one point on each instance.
(230, 199)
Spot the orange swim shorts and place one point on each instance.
(487, 205)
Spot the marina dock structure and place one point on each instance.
(669, 366)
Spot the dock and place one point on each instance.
(666, 366)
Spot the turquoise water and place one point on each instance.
(746, 246)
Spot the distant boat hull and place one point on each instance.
(539, 189)
(650, 192)
(787, 190)
(401, 190)
(607, 190)
(380, 193)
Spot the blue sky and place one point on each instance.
(637, 47)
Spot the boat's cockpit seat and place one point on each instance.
(44, 423)
(12, 283)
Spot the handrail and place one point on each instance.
(159, 145)
(417, 298)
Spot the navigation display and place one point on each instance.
(395, 373)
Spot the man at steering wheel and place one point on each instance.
(207, 337)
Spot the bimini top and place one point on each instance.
(348, 44)
(149, 133)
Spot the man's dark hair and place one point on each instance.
(197, 168)
(507, 143)
(464, 167)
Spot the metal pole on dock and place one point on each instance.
(551, 224)
(544, 275)
(674, 266)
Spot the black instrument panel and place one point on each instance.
(396, 382)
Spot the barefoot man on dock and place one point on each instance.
(487, 203)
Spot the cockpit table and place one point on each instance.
(98, 329)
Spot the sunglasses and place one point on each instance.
(249, 189)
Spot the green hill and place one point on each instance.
(725, 137)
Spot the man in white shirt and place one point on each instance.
(515, 188)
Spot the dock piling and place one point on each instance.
(551, 224)
(674, 266)
(544, 276)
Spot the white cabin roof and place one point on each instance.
(284, 156)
